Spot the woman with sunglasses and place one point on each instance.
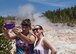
(42, 46)
(24, 39)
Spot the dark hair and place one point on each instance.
(26, 22)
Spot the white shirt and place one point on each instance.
(38, 49)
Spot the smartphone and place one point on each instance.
(9, 25)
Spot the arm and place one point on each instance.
(5, 31)
(28, 39)
(50, 46)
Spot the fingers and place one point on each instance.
(15, 30)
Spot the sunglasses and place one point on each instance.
(35, 29)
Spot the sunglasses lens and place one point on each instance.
(35, 29)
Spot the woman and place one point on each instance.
(24, 39)
(42, 46)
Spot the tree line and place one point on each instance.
(66, 15)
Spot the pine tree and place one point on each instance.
(5, 44)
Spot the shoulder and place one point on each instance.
(45, 41)
(31, 35)
(32, 38)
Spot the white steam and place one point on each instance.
(26, 10)
(39, 19)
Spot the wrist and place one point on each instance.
(18, 33)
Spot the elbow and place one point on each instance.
(54, 51)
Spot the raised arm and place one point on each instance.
(50, 46)
(28, 39)
(5, 31)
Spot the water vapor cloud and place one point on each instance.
(26, 10)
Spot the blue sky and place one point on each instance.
(18, 7)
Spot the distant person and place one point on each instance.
(24, 44)
(42, 45)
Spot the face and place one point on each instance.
(37, 31)
(25, 28)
